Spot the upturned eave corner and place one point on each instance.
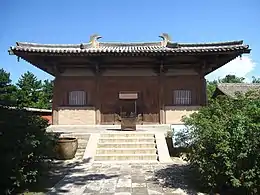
(10, 51)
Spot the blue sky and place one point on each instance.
(62, 21)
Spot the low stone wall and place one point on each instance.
(76, 116)
(174, 114)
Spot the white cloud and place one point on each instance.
(240, 67)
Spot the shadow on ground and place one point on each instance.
(79, 177)
(176, 176)
(56, 170)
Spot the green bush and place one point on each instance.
(224, 139)
(24, 145)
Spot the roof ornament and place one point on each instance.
(94, 40)
(165, 39)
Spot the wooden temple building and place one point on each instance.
(99, 82)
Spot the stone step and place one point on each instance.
(79, 136)
(82, 147)
(123, 140)
(82, 138)
(80, 150)
(127, 145)
(126, 135)
(79, 153)
(125, 157)
(126, 151)
(81, 141)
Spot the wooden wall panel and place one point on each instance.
(147, 103)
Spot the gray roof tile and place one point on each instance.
(230, 89)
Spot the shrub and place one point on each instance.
(224, 139)
(24, 144)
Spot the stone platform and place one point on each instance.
(110, 143)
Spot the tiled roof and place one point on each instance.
(95, 47)
(230, 89)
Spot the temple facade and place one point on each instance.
(99, 82)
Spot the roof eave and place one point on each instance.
(11, 52)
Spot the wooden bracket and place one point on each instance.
(57, 70)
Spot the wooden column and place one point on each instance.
(161, 94)
(55, 103)
(98, 103)
(56, 95)
(202, 88)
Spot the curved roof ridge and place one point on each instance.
(225, 43)
(27, 44)
(130, 43)
(107, 44)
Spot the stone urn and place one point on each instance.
(66, 148)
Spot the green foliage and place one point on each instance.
(33, 92)
(46, 95)
(255, 80)
(232, 79)
(7, 90)
(211, 87)
(224, 139)
(24, 145)
(29, 88)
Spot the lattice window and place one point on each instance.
(77, 98)
(182, 97)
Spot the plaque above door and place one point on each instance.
(128, 95)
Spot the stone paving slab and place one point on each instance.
(123, 179)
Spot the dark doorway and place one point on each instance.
(128, 108)
(128, 104)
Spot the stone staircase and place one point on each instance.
(126, 146)
(82, 142)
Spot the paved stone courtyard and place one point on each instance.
(124, 179)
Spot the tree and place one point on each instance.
(255, 80)
(46, 95)
(211, 86)
(7, 90)
(232, 79)
(224, 140)
(24, 147)
(29, 88)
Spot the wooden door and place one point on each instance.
(127, 108)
